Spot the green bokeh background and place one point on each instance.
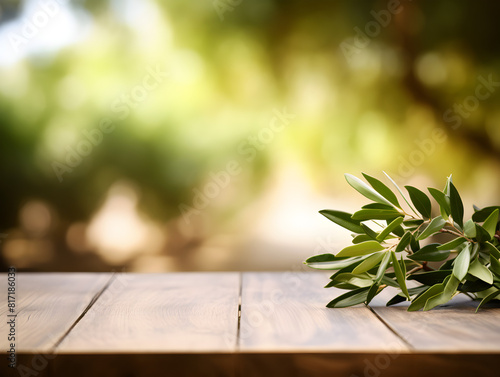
(372, 104)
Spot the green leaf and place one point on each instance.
(451, 286)
(434, 226)
(475, 286)
(414, 244)
(355, 280)
(490, 224)
(322, 258)
(461, 264)
(421, 201)
(349, 268)
(361, 238)
(413, 223)
(382, 189)
(495, 265)
(453, 244)
(448, 265)
(446, 189)
(398, 231)
(442, 200)
(355, 297)
(369, 231)
(442, 298)
(446, 193)
(480, 271)
(488, 298)
(430, 253)
(343, 219)
(377, 206)
(403, 266)
(383, 267)
(420, 301)
(351, 284)
(342, 285)
(482, 214)
(375, 214)
(482, 255)
(474, 251)
(374, 290)
(400, 297)
(334, 265)
(403, 242)
(482, 234)
(400, 192)
(389, 281)
(415, 291)
(400, 277)
(366, 190)
(457, 207)
(470, 228)
(396, 300)
(389, 228)
(485, 292)
(430, 277)
(362, 248)
(370, 262)
(492, 250)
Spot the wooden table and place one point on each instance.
(235, 324)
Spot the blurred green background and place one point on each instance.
(205, 135)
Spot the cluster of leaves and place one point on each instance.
(399, 249)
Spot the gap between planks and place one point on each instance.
(240, 282)
(80, 317)
(408, 344)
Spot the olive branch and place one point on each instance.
(390, 246)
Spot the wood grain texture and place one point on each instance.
(453, 327)
(287, 364)
(46, 306)
(186, 324)
(176, 312)
(145, 365)
(366, 365)
(286, 312)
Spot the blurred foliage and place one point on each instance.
(228, 71)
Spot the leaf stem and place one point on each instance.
(456, 232)
(380, 225)
(468, 294)
(444, 230)
(410, 215)
(426, 267)
(425, 222)
(413, 270)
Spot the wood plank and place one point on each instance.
(276, 364)
(47, 305)
(176, 312)
(449, 328)
(366, 365)
(145, 365)
(286, 312)
(28, 365)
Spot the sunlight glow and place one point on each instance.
(118, 231)
(42, 28)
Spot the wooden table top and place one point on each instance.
(235, 324)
